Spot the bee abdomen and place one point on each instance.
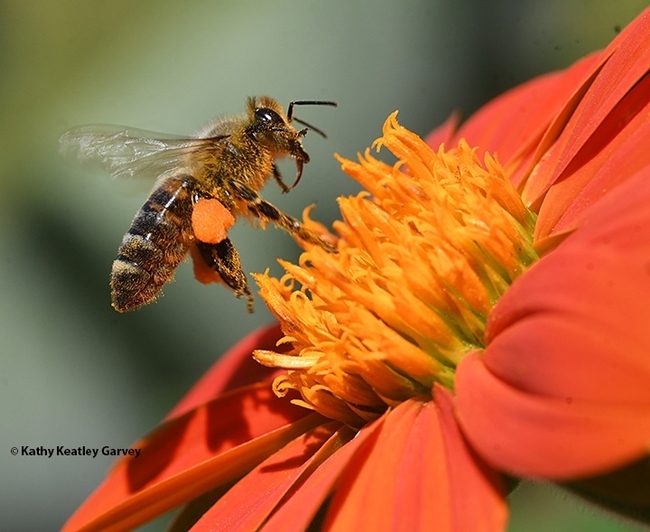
(156, 243)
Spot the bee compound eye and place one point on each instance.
(267, 115)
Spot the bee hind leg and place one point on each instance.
(224, 259)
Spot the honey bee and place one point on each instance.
(229, 160)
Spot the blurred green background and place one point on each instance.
(73, 371)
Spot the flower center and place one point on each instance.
(422, 258)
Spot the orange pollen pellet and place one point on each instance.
(211, 221)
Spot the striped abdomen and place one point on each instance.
(156, 243)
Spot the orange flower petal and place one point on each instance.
(576, 324)
(513, 123)
(562, 388)
(577, 329)
(545, 437)
(478, 500)
(627, 61)
(404, 476)
(246, 506)
(299, 510)
(616, 151)
(192, 454)
(526, 105)
(234, 369)
(383, 482)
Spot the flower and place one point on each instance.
(486, 312)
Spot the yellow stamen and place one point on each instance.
(422, 258)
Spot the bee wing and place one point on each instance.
(126, 152)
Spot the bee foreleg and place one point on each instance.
(224, 259)
(266, 211)
(278, 179)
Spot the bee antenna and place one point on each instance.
(307, 102)
(313, 128)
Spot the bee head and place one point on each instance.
(270, 126)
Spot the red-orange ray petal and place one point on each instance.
(547, 437)
(478, 501)
(576, 324)
(234, 369)
(562, 388)
(402, 478)
(300, 508)
(578, 329)
(192, 454)
(513, 123)
(514, 118)
(383, 489)
(627, 61)
(249, 502)
(617, 150)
